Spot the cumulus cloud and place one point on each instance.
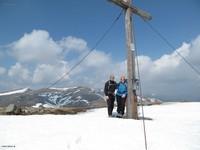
(97, 59)
(36, 46)
(42, 55)
(73, 44)
(169, 77)
(41, 60)
(19, 72)
(46, 73)
(2, 70)
(96, 74)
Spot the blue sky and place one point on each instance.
(177, 20)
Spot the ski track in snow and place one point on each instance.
(76, 91)
(175, 126)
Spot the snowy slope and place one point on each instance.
(63, 89)
(14, 92)
(54, 97)
(175, 126)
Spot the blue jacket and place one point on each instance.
(122, 89)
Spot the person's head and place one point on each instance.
(123, 78)
(112, 77)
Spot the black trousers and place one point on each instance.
(110, 104)
(121, 104)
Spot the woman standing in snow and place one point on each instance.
(121, 95)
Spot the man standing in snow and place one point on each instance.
(121, 96)
(109, 91)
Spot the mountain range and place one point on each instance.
(60, 97)
(54, 97)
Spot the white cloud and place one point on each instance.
(97, 59)
(36, 46)
(19, 72)
(169, 76)
(96, 69)
(166, 77)
(171, 61)
(2, 70)
(193, 56)
(47, 73)
(42, 60)
(73, 44)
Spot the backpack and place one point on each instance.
(111, 87)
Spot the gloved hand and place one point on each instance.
(124, 95)
(106, 97)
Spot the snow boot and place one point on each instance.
(119, 115)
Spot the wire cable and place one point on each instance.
(141, 96)
(89, 52)
(173, 47)
(140, 92)
(84, 57)
(139, 77)
(141, 102)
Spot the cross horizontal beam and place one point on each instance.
(124, 4)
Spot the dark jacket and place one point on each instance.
(109, 88)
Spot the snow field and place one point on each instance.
(175, 126)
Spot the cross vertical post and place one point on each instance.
(131, 105)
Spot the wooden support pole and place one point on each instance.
(131, 105)
(131, 108)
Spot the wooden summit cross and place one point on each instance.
(131, 107)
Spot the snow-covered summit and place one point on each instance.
(54, 97)
(175, 126)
